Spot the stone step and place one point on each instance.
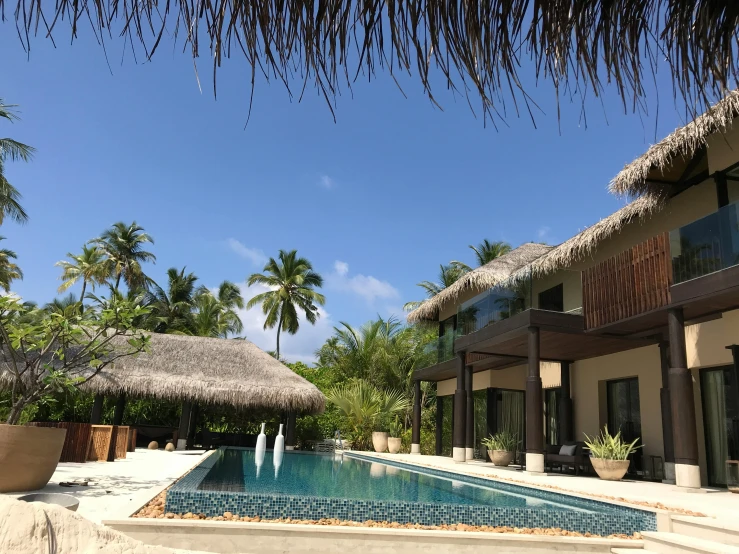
(674, 543)
(725, 531)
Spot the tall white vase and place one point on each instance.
(260, 449)
(278, 451)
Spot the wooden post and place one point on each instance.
(565, 404)
(96, 417)
(194, 410)
(439, 425)
(469, 438)
(120, 406)
(685, 437)
(460, 412)
(290, 430)
(416, 424)
(184, 426)
(534, 407)
(666, 408)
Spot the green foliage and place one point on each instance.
(396, 428)
(9, 270)
(503, 440)
(11, 150)
(609, 447)
(123, 245)
(49, 352)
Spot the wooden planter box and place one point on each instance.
(76, 442)
(100, 442)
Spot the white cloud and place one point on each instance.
(368, 287)
(326, 182)
(254, 255)
(294, 348)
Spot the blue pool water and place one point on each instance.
(357, 488)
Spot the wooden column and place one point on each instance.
(439, 425)
(666, 409)
(120, 406)
(96, 416)
(534, 407)
(469, 436)
(184, 427)
(460, 412)
(416, 424)
(682, 403)
(194, 412)
(292, 417)
(565, 423)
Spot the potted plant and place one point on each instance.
(380, 435)
(394, 440)
(501, 447)
(45, 352)
(610, 454)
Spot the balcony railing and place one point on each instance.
(493, 305)
(707, 245)
(440, 350)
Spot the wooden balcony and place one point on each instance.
(631, 283)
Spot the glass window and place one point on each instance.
(624, 414)
(721, 422)
(551, 408)
(552, 299)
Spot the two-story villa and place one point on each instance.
(633, 323)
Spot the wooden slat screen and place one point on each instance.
(121, 441)
(102, 437)
(631, 283)
(132, 439)
(77, 441)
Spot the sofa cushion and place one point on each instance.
(568, 450)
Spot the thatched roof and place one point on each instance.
(473, 46)
(586, 242)
(678, 147)
(481, 279)
(231, 372)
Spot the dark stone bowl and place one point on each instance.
(65, 500)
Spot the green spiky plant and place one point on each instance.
(506, 441)
(610, 447)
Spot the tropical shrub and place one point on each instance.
(503, 440)
(610, 447)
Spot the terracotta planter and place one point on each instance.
(502, 458)
(610, 470)
(379, 441)
(393, 445)
(28, 456)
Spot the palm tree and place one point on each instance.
(9, 270)
(291, 281)
(486, 252)
(215, 315)
(11, 150)
(62, 305)
(124, 246)
(448, 275)
(172, 309)
(91, 266)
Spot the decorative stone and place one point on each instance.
(153, 445)
(169, 447)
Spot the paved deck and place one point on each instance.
(119, 488)
(712, 502)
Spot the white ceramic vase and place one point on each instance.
(260, 449)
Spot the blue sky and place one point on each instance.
(376, 200)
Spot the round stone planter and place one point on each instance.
(28, 456)
(502, 458)
(610, 470)
(64, 500)
(393, 445)
(379, 441)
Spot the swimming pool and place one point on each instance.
(358, 488)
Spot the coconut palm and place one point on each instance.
(62, 305)
(291, 281)
(92, 266)
(171, 310)
(486, 252)
(11, 150)
(448, 275)
(215, 315)
(124, 245)
(9, 270)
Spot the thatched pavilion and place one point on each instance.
(202, 370)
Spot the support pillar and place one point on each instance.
(439, 446)
(416, 423)
(97, 409)
(194, 411)
(664, 398)
(469, 435)
(534, 408)
(685, 437)
(460, 413)
(566, 432)
(184, 427)
(292, 417)
(120, 406)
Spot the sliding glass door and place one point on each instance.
(720, 421)
(624, 414)
(551, 415)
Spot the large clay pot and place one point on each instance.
(393, 445)
(610, 470)
(501, 458)
(28, 456)
(379, 441)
